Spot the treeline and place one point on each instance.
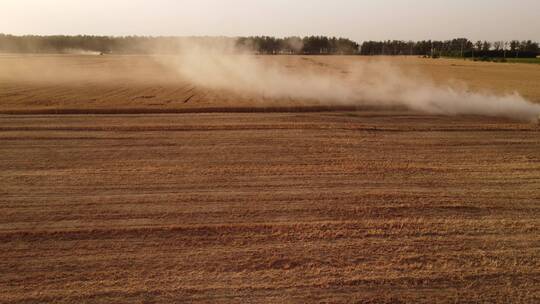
(145, 45)
(460, 47)
(315, 45)
(98, 44)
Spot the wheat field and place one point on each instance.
(122, 182)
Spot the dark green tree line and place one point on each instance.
(143, 45)
(460, 47)
(317, 45)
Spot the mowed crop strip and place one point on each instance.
(269, 207)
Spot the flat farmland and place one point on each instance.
(78, 84)
(296, 204)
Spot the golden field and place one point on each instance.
(293, 201)
(70, 82)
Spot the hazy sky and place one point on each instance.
(356, 19)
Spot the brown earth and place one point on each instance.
(364, 206)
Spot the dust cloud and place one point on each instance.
(219, 64)
(222, 65)
(81, 52)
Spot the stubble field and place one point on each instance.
(180, 197)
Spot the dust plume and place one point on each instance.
(81, 52)
(222, 65)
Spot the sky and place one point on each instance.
(359, 20)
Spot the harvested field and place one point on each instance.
(305, 205)
(56, 83)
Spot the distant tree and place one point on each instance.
(486, 46)
(478, 45)
(514, 47)
(292, 45)
(529, 46)
(505, 47)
